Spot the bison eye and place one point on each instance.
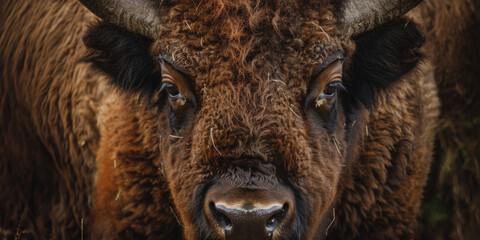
(331, 89)
(177, 87)
(172, 91)
(324, 86)
(176, 83)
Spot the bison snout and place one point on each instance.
(249, 214)
(239, 223)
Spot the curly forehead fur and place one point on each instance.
(244, 49)
(249, 39)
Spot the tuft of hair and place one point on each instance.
(382, 57)
(124, 57)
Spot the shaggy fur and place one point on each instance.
(452, 205)
(90, 149)
(453, 42)
(48, 135)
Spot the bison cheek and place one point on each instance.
(186, 180)
(318, 182)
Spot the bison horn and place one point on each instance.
(138, 16)
(358, 16)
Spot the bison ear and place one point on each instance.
(382, 56)
(123, 56)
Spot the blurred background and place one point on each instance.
(451, 205)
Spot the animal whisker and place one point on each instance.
(188, 25)
(329, 225)
(280, 81)
(337, 146)
(175, 215)
(293, 111)
(213, 143)
(178, 137)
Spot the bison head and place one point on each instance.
(252, 109)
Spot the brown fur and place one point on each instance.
(48, 130)
(451, 27)
(452, 205)
(82, 155)
(186, 172)
(379, 190)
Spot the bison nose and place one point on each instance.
(248, 222)
(249, 214)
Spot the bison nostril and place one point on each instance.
(273, 221)
(220, 218)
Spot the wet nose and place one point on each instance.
(249, 214)
(249, 221)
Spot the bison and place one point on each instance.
(213, 119)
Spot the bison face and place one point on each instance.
(250, 117)
(253, 139)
